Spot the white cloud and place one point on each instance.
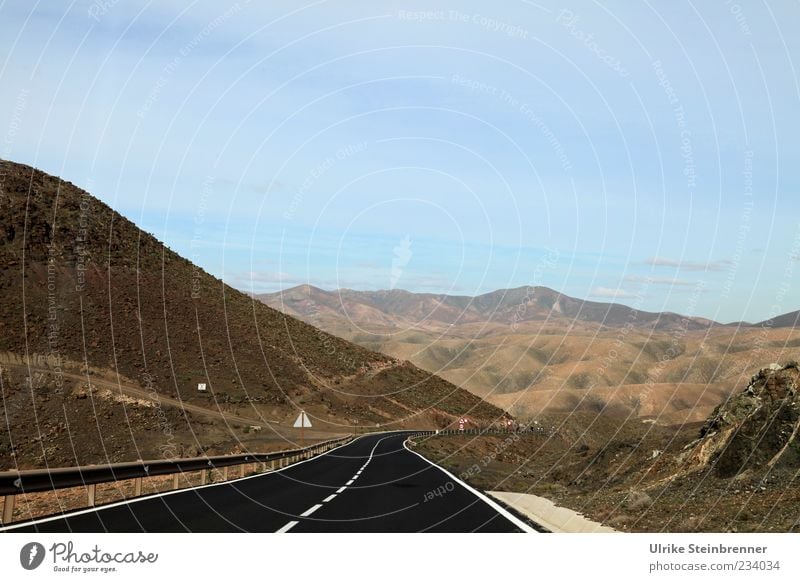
(610, 293)
(721, 265)
(660, 281)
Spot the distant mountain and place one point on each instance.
(786, 320)
(82, 285)
(508, 306)
(533, 350)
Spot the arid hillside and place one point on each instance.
(736, 471)
(533, 350)
(82, 286)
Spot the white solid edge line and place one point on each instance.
(329, 497)
(310, 510)
(287, 527)
(493, 504)
(165, 493)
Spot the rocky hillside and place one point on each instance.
(756, 430)
(82, 284)
(735, 472)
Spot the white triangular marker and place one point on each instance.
(302, 420)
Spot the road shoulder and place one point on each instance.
(549, 515)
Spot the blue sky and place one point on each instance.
(641, 153)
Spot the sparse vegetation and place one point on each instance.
(734, 472)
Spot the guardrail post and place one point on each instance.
(225, 473)
(175, 481)
(272, 465)
(8, 508)
(241, 470)
(203, 476)
(137, 487)
(91, 490)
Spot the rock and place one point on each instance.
(638, 500)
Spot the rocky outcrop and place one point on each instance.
(754, 431)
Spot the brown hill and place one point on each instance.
(509, 306)
(534, 350)
(786, 320)
(82, 284)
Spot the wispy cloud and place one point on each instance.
(698, 266)
(673, 282)
(257, 280)
(271, 281)
(611, 293)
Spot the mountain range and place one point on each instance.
(397, 307)
(532, 349)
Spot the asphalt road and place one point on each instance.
(372, 484)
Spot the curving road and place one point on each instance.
(373, 484)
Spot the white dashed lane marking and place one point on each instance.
(310, 510)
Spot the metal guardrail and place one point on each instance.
(489, 431)
(13, 483)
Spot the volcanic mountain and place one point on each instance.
(105, 335)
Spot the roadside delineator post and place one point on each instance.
(8, 508)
